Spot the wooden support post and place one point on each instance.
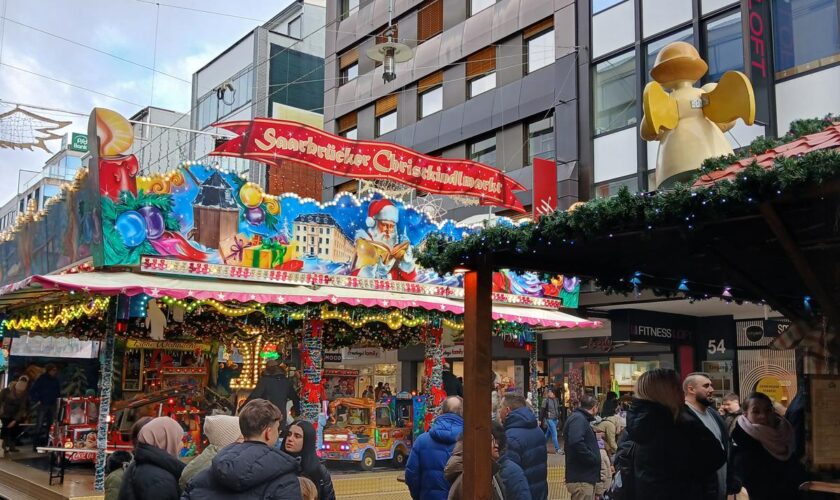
(477, 383)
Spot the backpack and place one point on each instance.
(623, 485)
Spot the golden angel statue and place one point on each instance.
(689, 122)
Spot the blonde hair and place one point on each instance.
(308, 491)
(661, 386)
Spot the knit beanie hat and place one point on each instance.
(222, 430)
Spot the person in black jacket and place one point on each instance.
(700, 413)
(583, 458)
(154, 473)
(44, 394)
(275, 387)
(451, 384)
(300, 442)
(610, 405)
(671, 457)
(254, 469)
(762, 458)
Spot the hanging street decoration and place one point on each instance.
(269, 140)
(23, 129)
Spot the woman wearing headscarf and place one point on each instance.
(762, 459)
(114, 478)
(299, 442)
(154, 473)
(14, 406)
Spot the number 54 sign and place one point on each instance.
(718, 349)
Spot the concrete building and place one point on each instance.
(161, 139)
(276, 66)
(38, 186)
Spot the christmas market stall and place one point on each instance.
(201, 277)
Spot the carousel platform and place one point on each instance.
(23, 478)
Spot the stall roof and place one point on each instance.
(129, 283)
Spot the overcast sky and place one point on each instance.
(186, 41)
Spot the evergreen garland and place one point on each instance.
(627, 212)
(115, 249)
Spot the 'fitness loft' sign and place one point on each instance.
(657, 328)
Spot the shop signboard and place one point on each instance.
(332, 357)
(453, 351)
(54, 347)
(352, 353)
(653, 327)
(79, 142)
(758, 49)
(166, 345)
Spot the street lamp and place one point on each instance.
(390, 52)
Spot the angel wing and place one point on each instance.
(731, 99)
(661, 112)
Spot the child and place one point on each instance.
(308, 491)
(606, 469)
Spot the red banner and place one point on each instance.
(545, 187)
(268, 141)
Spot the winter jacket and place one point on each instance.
(730, 418)
(454, 473)
(583, 460)
(451, 384)
(113, 482)
(197, 465)
(605, 478)
(550, 409)
(428, 457)
(153, 475)
(608, 427)
(513, 480)
(671, 458)
(246, 471)
(764, 476)
(275, 388)
(13, 407)
(46, 390)
(526, 448)
(711, 484)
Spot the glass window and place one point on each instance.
(611, 188)
(540, 51)
(599, 5)
(350, 72)
(296, 27)
(348, 7)
(614, 93)
(724, 46)
(386, 123)
(350, 134)
(484, 151)
(477, 6)
(540, 139)
(431, 101)
(654, 47)
(804, 32)
(482, 84)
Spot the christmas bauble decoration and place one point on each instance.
(255, 215)
(131, 227)
(115, 133)
(155, 225)
(251, 195)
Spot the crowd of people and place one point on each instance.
(250, 456)
(21, 398)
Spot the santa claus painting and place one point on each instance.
(381, 252)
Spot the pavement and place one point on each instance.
(25, 478)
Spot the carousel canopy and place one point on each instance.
(128, 283)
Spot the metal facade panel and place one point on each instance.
(536, 11)
(477, 114)
(451, 45)
(506, 18)
(450, 126)
(537, 92)
(426, 133)
(478, 31)
(506, 104)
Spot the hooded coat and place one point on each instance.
(429, 455)
(310, 465)
(764, 476)
(454, 473)
(526, 448)
(671, 458)
(583, 459)
(153, 475)
(247, 471)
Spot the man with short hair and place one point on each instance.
(731, 410)
(254, 468)
(431, 450)
(550, 414)
(699, 411)
(583, 458)
(526, 443)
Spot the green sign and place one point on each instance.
(79, 142)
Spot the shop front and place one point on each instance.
(372, 366)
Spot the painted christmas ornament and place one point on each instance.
(131, 227)
(251, 195)
(155, 225)
(255, 215)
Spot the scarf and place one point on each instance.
(164, 433)
(778, 441)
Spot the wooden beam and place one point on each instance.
(797, 258)
(477, 383)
